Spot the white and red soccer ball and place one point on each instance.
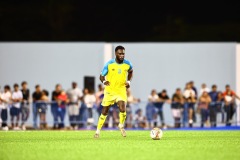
(156, 133)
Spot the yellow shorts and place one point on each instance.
(113, 97)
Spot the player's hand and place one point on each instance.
(106, 83)
(127, 85)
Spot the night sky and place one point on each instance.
(143, 21)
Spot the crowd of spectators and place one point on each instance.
(80, 105)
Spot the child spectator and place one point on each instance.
(204, 102)
(176, 107)
(16, 104)
(62, 101)
(42, 109)
(5, 100)
(140, 120)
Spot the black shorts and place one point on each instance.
(14, 111)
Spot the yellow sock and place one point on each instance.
(101, 121)
(122, 117)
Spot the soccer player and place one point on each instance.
(116, 76)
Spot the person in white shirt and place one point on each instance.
(16, 104)
(74, 95)
(204, 89)
(89, 100)
(189, 96)
(5, 99)
(153, 97)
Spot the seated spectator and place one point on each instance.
(229, 103)
(140, 120)
(176, 107)
(189, 99)
(62, 101)
(5, 99)
(16, 104)
(204, 102)
(42, 109)
(131, 101)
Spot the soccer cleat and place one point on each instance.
(122, 130)
(96, 135)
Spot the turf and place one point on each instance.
(80, 145)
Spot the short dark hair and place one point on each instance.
(7, 87)
(164, 91)
(45, 92)
(23, 83)
(227, 85)
(119, 47)
(37, 86)
(15, 85)
(214, 86)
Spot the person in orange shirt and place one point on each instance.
(229, 103)
(62, 101)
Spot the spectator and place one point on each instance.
(62, 101)
(54, 105)
(220, 102)
(42, 109)
(25, 109)
(15, 109)
(5, 99)
(140, 120)
(74, 95)
(99, 97)
(89, 100)
(176, 107)
(213, 106)
(37, 95)
(204, 88)
(229, 103)
(191, 83)
(189, 97)
(131, 101)
(151, 112)
(204, 102)
(163, 97)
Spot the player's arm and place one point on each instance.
(102, 79)
(129, 78)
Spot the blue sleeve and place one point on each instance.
(130, 64)
(105, 70)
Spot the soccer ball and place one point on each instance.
(156, 134)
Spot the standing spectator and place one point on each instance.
(204, 102)
(99, 97)
(176, 107)
(90, 100)
(25, 109)
(213, 106)
(131, 101)
(204, 88)
(74, 95)
(151, 112)
(163, 97)
(42, 109)
(54, 105)
(191, 83)
(62, 101)
(229, 103)
(220, 102)
(15, 109)
(36, 96)
(189, 97)
(5, 99)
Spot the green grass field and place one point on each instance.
(80, 145)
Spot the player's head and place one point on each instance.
(120, 53)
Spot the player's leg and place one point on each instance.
(122, 116)
(101, 120)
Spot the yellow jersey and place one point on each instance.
(116, 74)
